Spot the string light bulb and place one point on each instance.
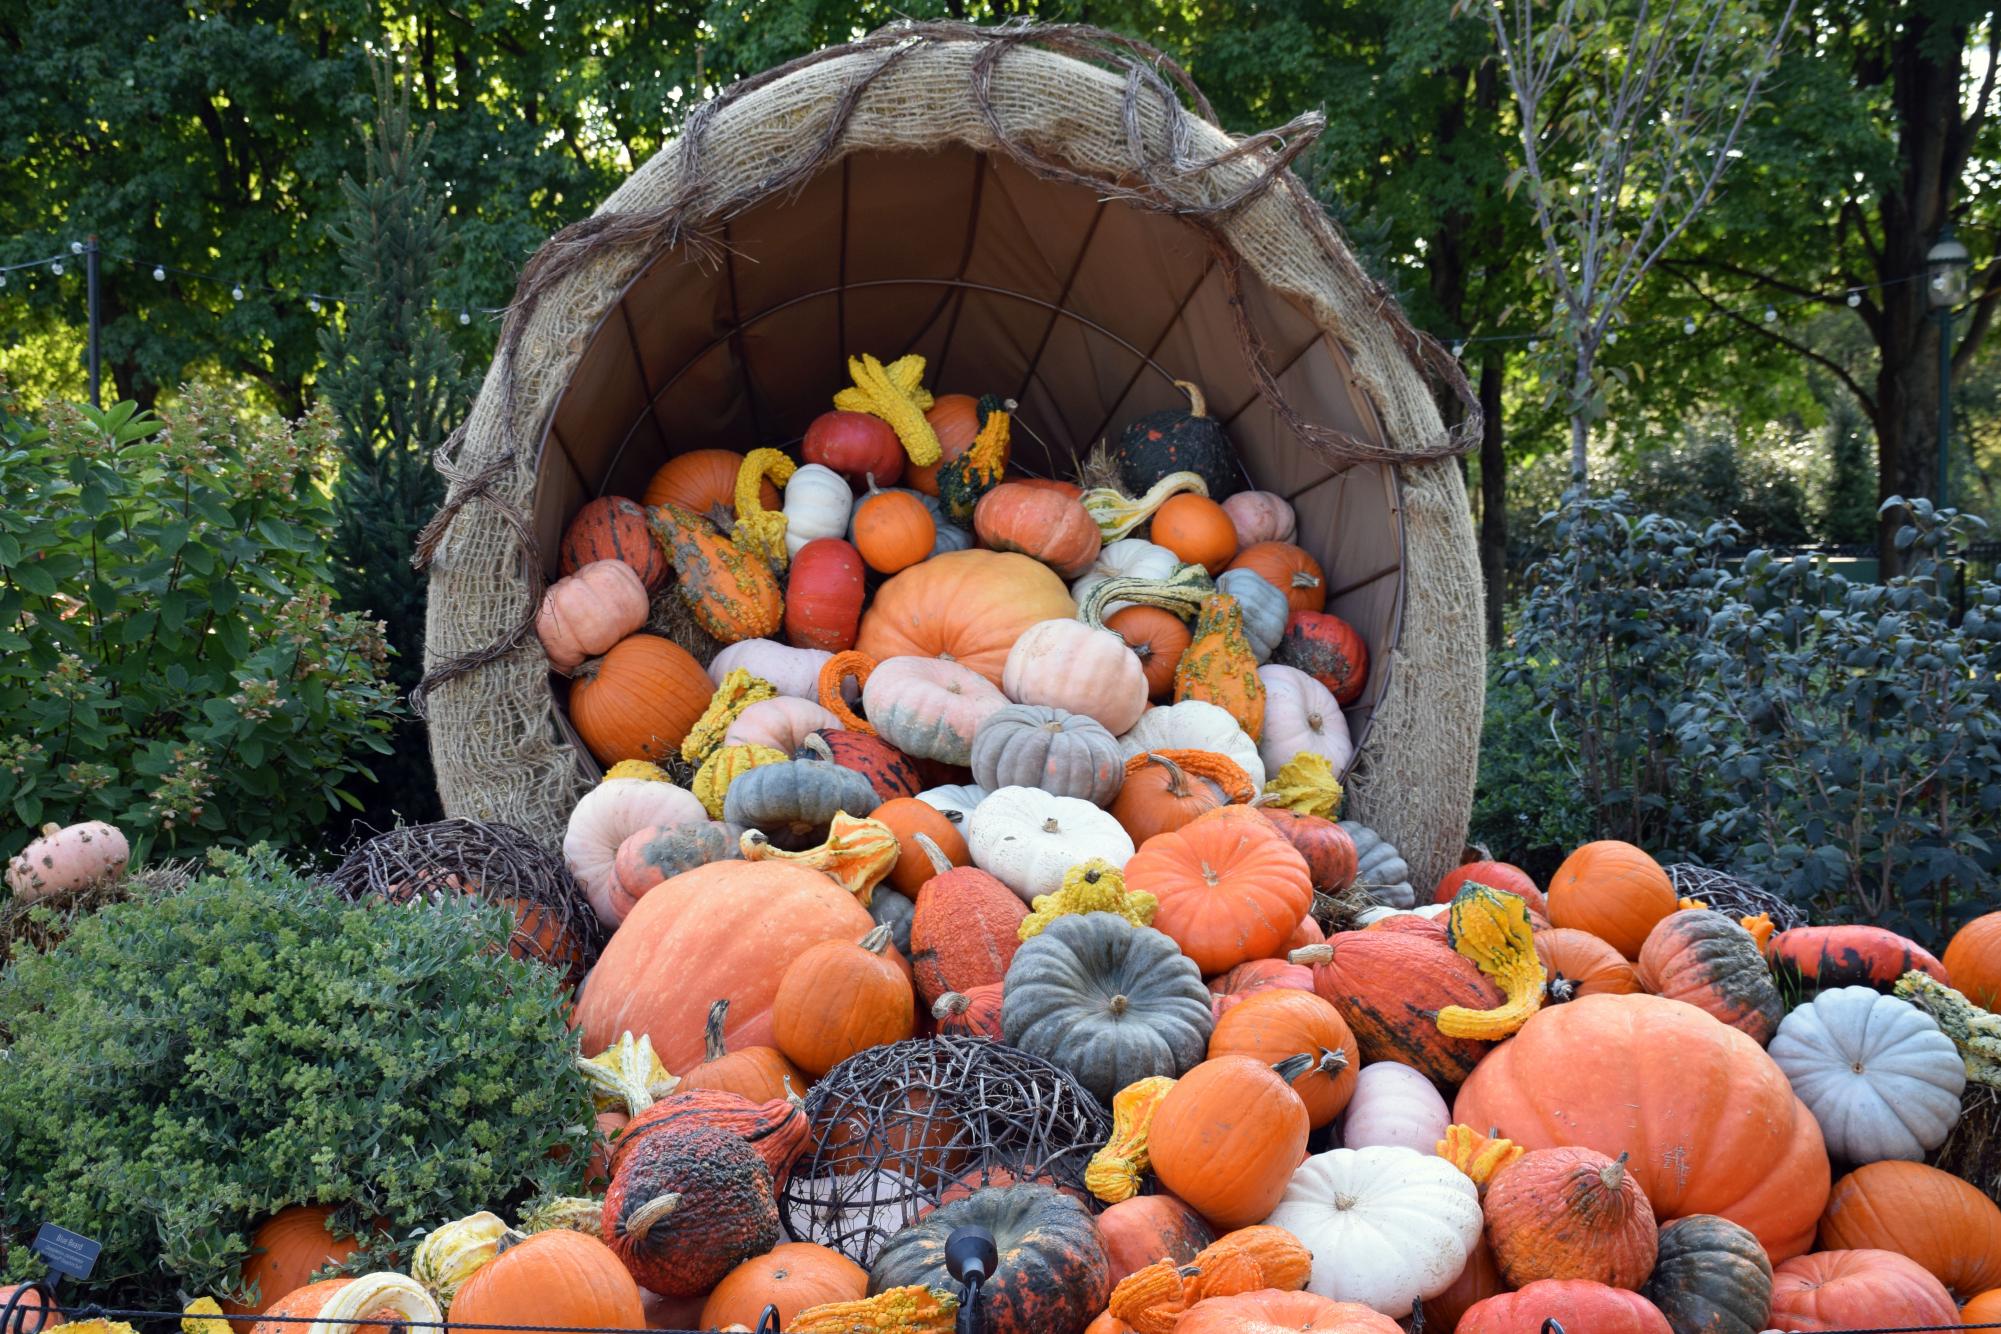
(1770, 314)
(56, 267)
(1535, 344)
(1458, 350)
(1854, 300)
(236, 292)
(76, 247)
(465, 316)
(313, 304)
(159, 274)
(1688, 325)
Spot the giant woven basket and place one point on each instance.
(1038, 212)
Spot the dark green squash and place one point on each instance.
(1108, 1001)
(1178, 440)
(1053, 1277)
(1710, 1277)
(793, 802)
(687, 1205)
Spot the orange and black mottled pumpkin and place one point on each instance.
(1329, 650)
(1390, 986)
(686, 1206)
(775, 1130)
(889, 771)
(1178, 440)
(613, 528)
(1053, 1277)
(1146, 1228)
(1822, 957)
(1710, 1277)
(1711, 962)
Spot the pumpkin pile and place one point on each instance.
(1057, 766)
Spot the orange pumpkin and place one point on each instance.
(31, 1314)
(824, 594)
(966, 606)
(1276, 1022)
(761, 1074)
(1613, 890)
(1817, 957)
(1857, 1289)
(638, 701)
(1196, 529)
(964, 932)
(1573, 1303)
(1053, 528)
(1577, 963)
(1390, 986)
(1275, 1311)
(301, 1303)
(1146, 1228)
(1494, 875)
(1973, 961)
(1230, 887)
(792, 1277)
(1479, 1280)
(973, 1013)
(1943, 1223)
(1329, 650)
(856, 445)
(841, 997)
(1710, 1122)
(558, 1277)
(955, 420)
(1290, 569)
(892, 530)
(1226, 1139)
(1982, 1310)
(701, 480)
(587, 613)
(604, 1146)
(1158, 639)
(1166, 789)
(1568, 1214)
(286, 1251)
(1247, 979)
(613, 528)
(907, 817)
(1330, 854)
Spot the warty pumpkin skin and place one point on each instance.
(1146, 1228)
(1178, 440)
(1710, 1123)
(1710, 1277)
(792, 1276)
(1571, 1213)
(967, 606)
(558, 1277)
(1230, 886)
(1276, 1022)
(706, 935)
(731, 592)
(1859, 1289)
(965, 932)
(1226, 1139)
(1613, 890)
(1943, 1223)
(1219, 667)
(776, 1131)
(687, 1206)
(1973, 959)
(1575, 1304)
(1813, 957)
(1108, 1001)
(1390, 986)
(1580, 964)
(1706, 959)
(638, 701)
(1052, 1278)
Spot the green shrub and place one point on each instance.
(170, 659)
(184, 1065)
(1527, 808)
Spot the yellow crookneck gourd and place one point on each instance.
(570, 1213)
(724, 766)
(627, 1076)
(962, 481)
(1219, 668)
(1092, 886)
(1305, 784)
(738, 692)
(1491, 928)
(858, 854)
(1479, 1156)
(642, 769)
(1118, 514)
(1115, 1171)
(895, 393)
(757, 530)
(906, 1310)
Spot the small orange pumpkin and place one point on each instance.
(893, 531)
(1053, 528)
(586, 613)
(1226, 1139)
(703, 480)
(613, 528)
(1273, 1023)
(792, 1277)
(841, 997)
(761, 1074)
(1196, 529)
(1288, 568)
(955, 420)
(1158, 639)
(1973, 960)
(1166, 789)
(907, 817)
(1571, 1213)
(638, 701)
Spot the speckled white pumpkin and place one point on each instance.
(1027, 839)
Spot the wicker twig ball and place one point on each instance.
(554, 923)
(1732, 896)
(900, 1129)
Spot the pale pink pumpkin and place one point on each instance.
(1071, 666)
(584, 614)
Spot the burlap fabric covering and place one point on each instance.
(1068, 104)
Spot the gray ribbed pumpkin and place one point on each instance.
(1264, 608)
(1065, 754)
(1379, 867)
(1108, 1001)
(1710, 1277)
(793, 802)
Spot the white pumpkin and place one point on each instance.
(66, 858)
(1370, 916)
(1393, 1106)
(782, 723)
(817, 504)
(1194, 724)
(1874, 1070)
(1388, 1227)
(791, 671)
(1026, 838)
(1067, 665)
(958, 801)
(1127, 558)
(605, 817)
(1379, 868)
(1264, 609)
(1301, 715)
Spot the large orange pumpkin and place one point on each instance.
(966, 606)
(1230, 886)
(1273, 1023)
(1051, 527)
(1578, 963)
(285, 1253)
(701, 480)
(1982, 1310)
(638, 701)
(792, 1277)
(1390, 986)
(712, 933)
(1613, 890)
(1146, 1228)
(1938, 1220)
(1576, 1304)
(1226, 1139)
(1275, 1311)
(558, 1277)
(1856, 1290)
(1708, 1121)
(1973, 960)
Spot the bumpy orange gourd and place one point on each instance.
(1571, 1214)
(905, 1310)
(733, 593)
(1219, 667)
(1114, 1172)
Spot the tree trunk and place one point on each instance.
(1906, 423)
(1493, 497)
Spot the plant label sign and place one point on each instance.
(68, 1253)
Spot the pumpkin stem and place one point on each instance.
(1292, 1067)
(712, 1034)
(1613, 1173)
(940, 863)
(877, 940)
(719, 515)
(792, 1095)
(643, 1219)
(816, 745)
(1198, 406)
(1119, 1005)
(509, 1239)
(1561, 988)
(1049, 826)
(1311, 954)
(1301, 579)
(753, 844)
(950, 1004)
(1330, 1061)
(1177, 777)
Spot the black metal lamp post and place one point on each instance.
(1946, 266)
